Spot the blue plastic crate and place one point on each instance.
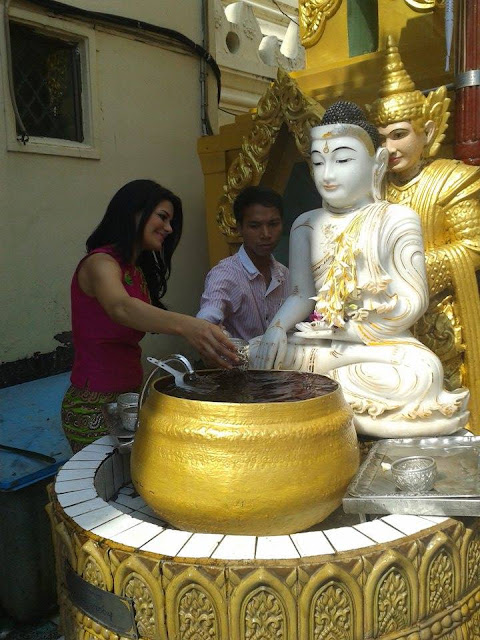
(30, 419)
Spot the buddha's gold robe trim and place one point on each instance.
(313, 18)
(446, 196)
(283, 103)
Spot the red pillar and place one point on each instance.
(467, 81)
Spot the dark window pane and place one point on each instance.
(47, 80)
(362, 18)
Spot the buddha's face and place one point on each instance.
(343, 170)
(405, 146)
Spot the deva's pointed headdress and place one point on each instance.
(400, 101)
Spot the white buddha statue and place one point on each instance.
(358, 264)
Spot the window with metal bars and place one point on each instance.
(47, 81)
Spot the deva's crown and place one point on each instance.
(400, 101)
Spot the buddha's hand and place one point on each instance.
(316, 329)
(271, 350)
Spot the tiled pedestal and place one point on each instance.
(408, 577)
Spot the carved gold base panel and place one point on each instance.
(421, 586)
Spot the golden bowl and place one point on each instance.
(244, 468)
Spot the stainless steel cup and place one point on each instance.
(128, 417)
(242, 348)
(127, 400)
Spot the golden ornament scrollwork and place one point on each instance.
(331, 600)
(393, 602)
(425, 5)
(283, 103)
(137, 579)
(136, 588)
(197, 618)
(471, 630)
(473, 562)
(436, 109)
(93, 574)
(264, 616)
(313, 18)
(332, 614)
(440, 582)
(195, 602)
(93, 567)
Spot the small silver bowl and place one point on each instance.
(415, 474)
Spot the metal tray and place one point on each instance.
(457, 487)
(111, 415)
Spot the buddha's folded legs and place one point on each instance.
(392, 387)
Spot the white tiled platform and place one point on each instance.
(94, 488)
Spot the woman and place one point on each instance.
(116, 297)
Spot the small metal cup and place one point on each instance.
(127, 400)
(415, 474)
(242, 348)
(128, 417)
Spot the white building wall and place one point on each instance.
(147, 123)
(144, 121)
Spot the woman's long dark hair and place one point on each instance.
(122, 229)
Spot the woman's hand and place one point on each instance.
(210, 341)
(272, 349)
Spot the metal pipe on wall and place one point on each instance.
(467, 82)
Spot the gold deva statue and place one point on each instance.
(445, 194)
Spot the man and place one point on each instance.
(244, 292)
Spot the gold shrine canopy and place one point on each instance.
(345, 50)
(283, 105)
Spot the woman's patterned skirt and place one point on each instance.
(82, 417)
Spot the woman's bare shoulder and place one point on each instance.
(96, 268)
(99, 260)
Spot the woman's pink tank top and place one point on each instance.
(107, 354)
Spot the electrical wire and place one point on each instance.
(284, 13)
(206, 124)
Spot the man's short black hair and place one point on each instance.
(256, 195)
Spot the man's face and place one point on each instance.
(405, 146)
(261, 229)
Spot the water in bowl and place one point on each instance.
(254, 386)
